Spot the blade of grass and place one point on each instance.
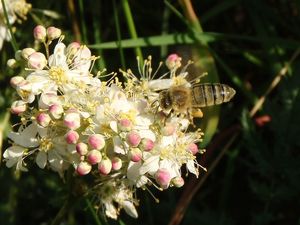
(13, 39)
(94, 214)
(131, 26)
(188, 38)
(165, 29)
(118, 30)
(97, 36)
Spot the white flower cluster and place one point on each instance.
(16, 11)
(111, 131)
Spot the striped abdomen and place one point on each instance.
(211, 94)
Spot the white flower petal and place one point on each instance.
(41, 159)
(133, 171)
(26, 138)
(55, 160)
(151, 165)
(13, 152)
(130, 209)
(190, 165)
(110, 211)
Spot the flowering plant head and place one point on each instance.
(16, 11)
(113, 132)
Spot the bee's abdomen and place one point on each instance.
(211, 94)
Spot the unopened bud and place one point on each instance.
(53, 33)
(116, 163)
(18, 107)
(72, 137)
(43, 119)
(82, 148)
(94, 156)
(56, 110)
(105, 166)
(39, 33)
(178, 182)
(83, 168)
(12, 63)
(18, 55)
(15, 81)
(193, 148)
(173, 61)
(163, 178)
(37, 60)
(133, 138)
(135, 154)
(26, 52)
(146, 144)
(72, 120)
(96, 141)
(125, 125)
(72, 49)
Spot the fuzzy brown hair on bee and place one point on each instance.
(188, 100)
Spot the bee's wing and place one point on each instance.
(160, 84)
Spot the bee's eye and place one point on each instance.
(165, 100)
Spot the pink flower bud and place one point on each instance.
(18, 107)
(105, 166)
(72, 120)
(116, 163)
(133, 138)
(15, 81)
(71, 137)
(73, 48)
(125, 125)
(94, 156)
(193, 148)
(163, 178)
(178, 181)
(43, 119)
(56, 110)
(96, 141)
(146, 144)
(26, 52)
(173, 61)
(37, 60)
(169, 129)
(53, 33)
(39, 33)
(82, 148)
(135, 154)
(83, 168)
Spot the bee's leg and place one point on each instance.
(190, 116)
(196, 112)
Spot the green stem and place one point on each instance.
(131, 26)
(13, 40)
(3, 125)
(84, 32)
(62, 212)
(94, 214)
(119, 37)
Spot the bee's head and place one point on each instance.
(165, 101)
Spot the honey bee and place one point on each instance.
(188, 100)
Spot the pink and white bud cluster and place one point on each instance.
(92, 153)
(40, 33)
